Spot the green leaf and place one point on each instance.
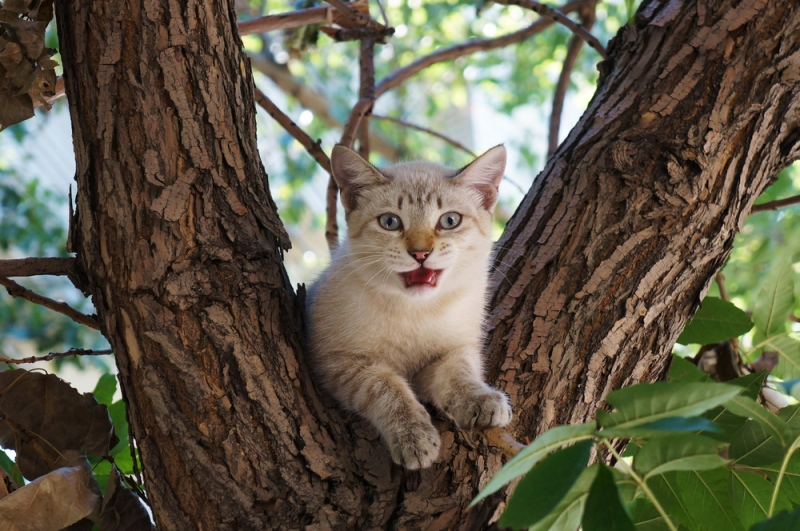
(753, 445)
(646, 517)
(677, 452)
(775, 297)
(567, 514)
(789, 351)
(11, 468)
(772, 424)
(541, 490)
(750, 495)
(707, 498)
(685, 371)
(716, 320)
(663, 427)
(647, 403)
(549, 441)
(118, 417)
(604, 511)
(790, 485)
(751, 384)
(666, 490)
(782, 521)
(105, 389)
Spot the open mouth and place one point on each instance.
(421, 276)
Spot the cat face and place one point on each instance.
(418, 229)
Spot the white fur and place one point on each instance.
(379, 346)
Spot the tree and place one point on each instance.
(179, 244)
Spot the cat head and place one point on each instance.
(419, 228)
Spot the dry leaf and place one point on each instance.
(51, 502)
(45, 417)
(122, 508)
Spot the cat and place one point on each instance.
(397, 318)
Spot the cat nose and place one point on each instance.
(420, 255)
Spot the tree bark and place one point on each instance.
(610, 253)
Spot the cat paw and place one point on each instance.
(415, 446)
(483, 410)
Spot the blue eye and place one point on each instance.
(450, 220)
(389, 222)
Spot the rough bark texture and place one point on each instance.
(608, 256)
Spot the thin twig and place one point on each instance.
(314, 101)
(15, 290)
(775, 205)
(360, 109)
(383, 13)
(283, 21)
(720, 280)
(355, 34)
(366, 90)
(32, 267)
(559, 17)
(503, 440)
(331, 224)
(313, 147)
(574, 49)
(440, 136)
(454, 52)
(73, 352)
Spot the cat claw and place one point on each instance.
(416, 447)
(485, 410)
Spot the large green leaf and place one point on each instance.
(716, 320)
(604, 511)
(775, 297)
(790, 485)
(772, 424)
(684, 451)
(662, 427)
(549, 441)
(727, 423)
(707, 499)
(753, 445)
(646, 517)
(105, 389)
(789, 351)
(567, 514)
(666, 490)
(750, 496)
(545, 486)
(783, 521)
(647, 403)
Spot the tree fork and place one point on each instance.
(606, 259)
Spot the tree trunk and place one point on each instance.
(610, 253)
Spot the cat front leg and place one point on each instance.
(455, 385)
(385, 399)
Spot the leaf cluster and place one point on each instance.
(27, 70)
(68, 448)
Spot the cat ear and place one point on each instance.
(353, 174)
(484, 174)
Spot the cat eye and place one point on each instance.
(450, 220)
(390, 222)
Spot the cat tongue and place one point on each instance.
(423, 275)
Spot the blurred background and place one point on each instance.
(479, 101)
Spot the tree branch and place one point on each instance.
(440, 136)
(290, 20)
(503, 440)
(559, 17)
(32, 267)
(355, 17)
(775, 205)
(73, 352)
(574, 49)
(366, 89)
(313, 147)
(313, 101)
(15, 290)
(453, 52)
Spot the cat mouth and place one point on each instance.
(422, 276)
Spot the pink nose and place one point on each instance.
(420, 256)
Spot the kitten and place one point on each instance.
(397, 318)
